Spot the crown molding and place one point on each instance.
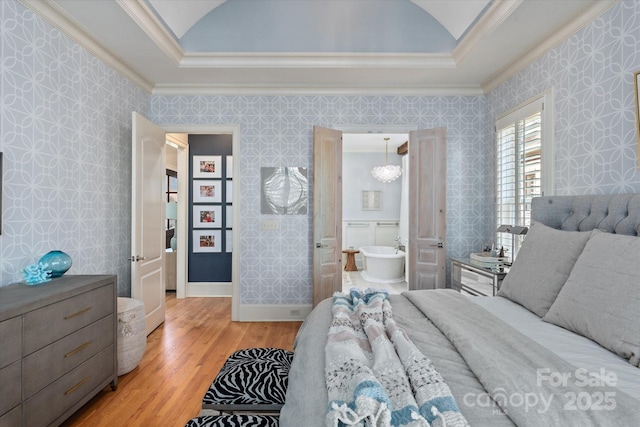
(488, 22)
(146, 19)
(63, 22)
(317, 60)
(565, 31)
(306, 90)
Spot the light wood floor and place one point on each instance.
(181, 359)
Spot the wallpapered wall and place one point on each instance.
(277, 131)
(65, 132)
(591, 74)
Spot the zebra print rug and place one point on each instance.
(235, 420)
(255, 376)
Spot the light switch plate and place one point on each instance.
(270, 224)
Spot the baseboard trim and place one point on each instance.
(274, 313)
(209, 289)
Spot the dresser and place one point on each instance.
(58, 347)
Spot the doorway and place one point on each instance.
(373, 212)
(426, 260)
(182, 284)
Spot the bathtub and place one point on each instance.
(382, 264)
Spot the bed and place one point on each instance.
(559, 345)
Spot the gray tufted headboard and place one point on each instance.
(618, 213)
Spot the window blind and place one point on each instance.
(518, 169)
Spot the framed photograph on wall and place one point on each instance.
(229, 167)
(207, 241)
(229, 196)
(229, 219)
(228, 241)
(208, 216)
(207, 167)
(207, 191)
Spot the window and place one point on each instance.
(524, 165)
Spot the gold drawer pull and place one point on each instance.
(82, 347)
(75, 387)
(77, 313)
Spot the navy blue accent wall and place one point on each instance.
(206, 266)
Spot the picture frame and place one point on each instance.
(636, 84)
(284, 190)
(207, 191)
(229, 195)
(371, 200)
(207, 216)
(229, 174)
(228, 241)
(207, 167)
(207, 241)
(229, 217)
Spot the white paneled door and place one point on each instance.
(147, 219)
(327, 213)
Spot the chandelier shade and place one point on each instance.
(386, 173)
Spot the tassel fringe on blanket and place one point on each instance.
(375, 374)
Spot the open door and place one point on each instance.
(327, 213)
(147, 219)
(427, 263)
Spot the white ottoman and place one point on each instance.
(132, 334)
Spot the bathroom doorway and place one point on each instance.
(374, 213)
(427, 210)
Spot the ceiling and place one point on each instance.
(377, 47)
(372, 142)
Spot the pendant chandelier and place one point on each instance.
(386, 173)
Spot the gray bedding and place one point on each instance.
(475, 352)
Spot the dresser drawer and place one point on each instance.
(50, 323)
(53, 401)
(12, 418)
(11, 339)
(46, 365)
(10, 392)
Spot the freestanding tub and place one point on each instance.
(382, 264)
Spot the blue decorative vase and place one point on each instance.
(56, 261)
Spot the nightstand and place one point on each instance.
(471, 278)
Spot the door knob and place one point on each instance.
(320, 245)
(134, 258)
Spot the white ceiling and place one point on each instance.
(130, 36)
(372, 142)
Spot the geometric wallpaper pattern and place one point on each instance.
(275, 267)
(65, 133)
(591, 74)
(65, 129)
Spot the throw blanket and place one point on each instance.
(375, 375)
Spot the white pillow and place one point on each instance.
(601, 299)
(542, 267)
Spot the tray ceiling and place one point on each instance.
(483, 42)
